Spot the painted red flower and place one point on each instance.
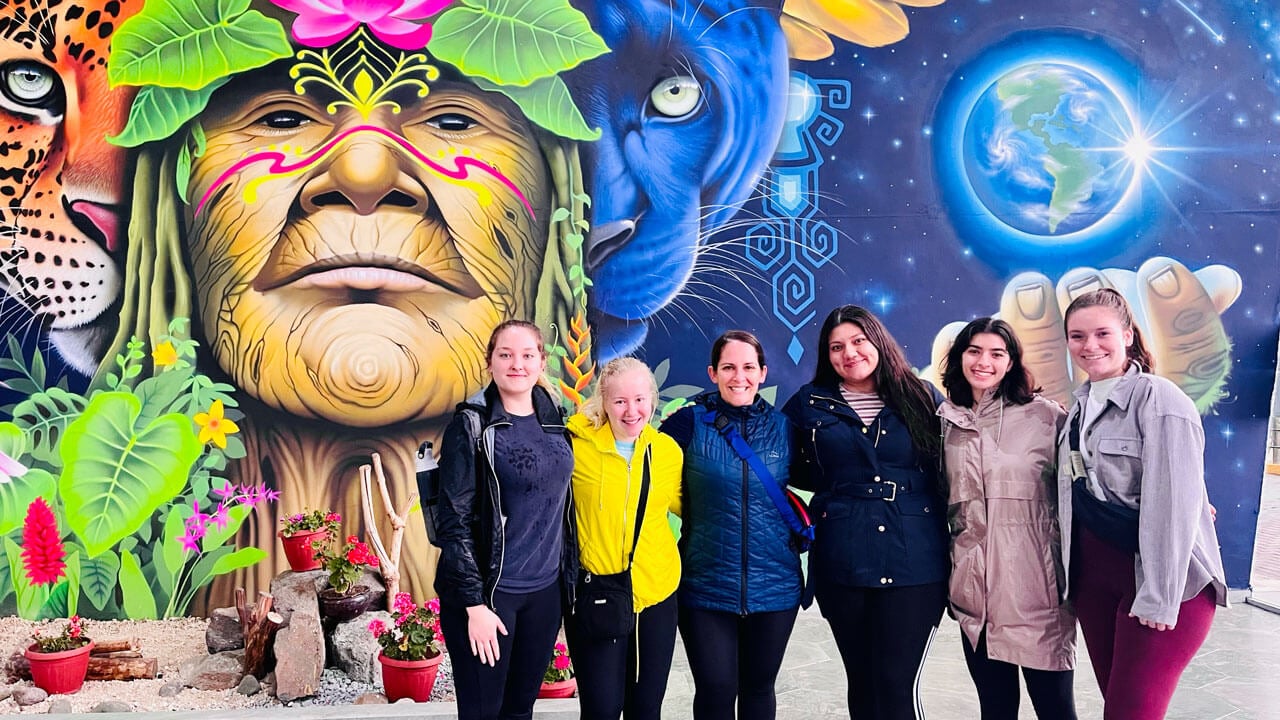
(42, 551)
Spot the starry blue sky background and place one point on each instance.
(1206, 76)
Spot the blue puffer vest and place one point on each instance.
(735, 546)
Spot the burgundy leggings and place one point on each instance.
(1137, 667)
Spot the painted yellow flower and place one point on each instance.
(215, 427)
(808, 24)
(164, 354)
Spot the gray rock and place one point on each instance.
(404, 701)
(111, 706)
(171, 689)
(29, 695)
(60, 706)
(300, 653)
(249, 685)
(213, 672)
(355, 651)
(5, 692)
(292, 591)
(373, 698)
(224, 631)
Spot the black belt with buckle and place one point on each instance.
(886, 490)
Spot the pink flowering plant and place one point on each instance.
(560, 667)
(414, 632)
(311, 521)
(398, 23)
(71, 637)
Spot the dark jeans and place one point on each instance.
(1137, 667)
(508, 689)
(883, 635)
(997, 683)
(735, 658)
(625, 677)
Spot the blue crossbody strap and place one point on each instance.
(725, 427)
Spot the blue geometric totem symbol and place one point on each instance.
(789, 243)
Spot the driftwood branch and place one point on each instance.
(121, 668)
(388, 559)
(259, 625)
(106, 647)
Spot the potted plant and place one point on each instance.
(558, 681)
(59, 662)
(343, 599)
(410, 655)
(303, 534)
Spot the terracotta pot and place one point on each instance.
(298, 550)
(59, 673)
(344, 606)
(559, 689)
(409, 678)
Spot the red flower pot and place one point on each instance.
(409, 678)
(559, 689)
(298, 550)
(59, 673)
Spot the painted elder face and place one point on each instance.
(349, 267)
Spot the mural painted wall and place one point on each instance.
(247, 243)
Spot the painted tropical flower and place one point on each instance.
(214, 426)
(164, 354)
(10, 468)
(42, 550)
(809, 24)
(398, 23)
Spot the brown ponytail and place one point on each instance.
(1108, 298)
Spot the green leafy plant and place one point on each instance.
(344, 561)
(414, 633)
(71, 637)
(311, 521)
(561, 666)
(113, 484)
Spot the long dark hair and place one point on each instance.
(896, 382)
(1017, 386)
(1108, 298)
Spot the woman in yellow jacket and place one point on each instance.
(611, 440)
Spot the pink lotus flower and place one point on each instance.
(322, 23)
(10, 468)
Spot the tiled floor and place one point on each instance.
(1236, 675)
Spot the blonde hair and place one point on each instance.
(593, 408)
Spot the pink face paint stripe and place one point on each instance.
(279, 165)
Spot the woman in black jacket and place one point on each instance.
(509, 553)
(867, 442)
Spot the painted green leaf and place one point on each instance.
(168, 563)
(44, 418)
(71, 598)
(30, 597)
(13, 442)
(98, 578)
(191, 43)
(16, 495)
(56, 605)
(548, 104)
(213, 537)
(138, 600)
(115, 476)
(241, 558)
(514, 42)
(158, 112)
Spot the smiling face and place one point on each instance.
(984, 363)
(1098, 342)
(628, 403)
(517, 362)
(357, 286)
(738, 373)
(854, 357)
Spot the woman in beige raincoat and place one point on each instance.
(999, 445)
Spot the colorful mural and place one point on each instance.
(252, 242)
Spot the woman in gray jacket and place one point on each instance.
(1145, 568)
(999, 451)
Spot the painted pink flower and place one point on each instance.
(42, 549)
(398, 23)
(10, 468)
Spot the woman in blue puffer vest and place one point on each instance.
(742, 581)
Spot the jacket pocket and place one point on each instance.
(840, 536)
(1118, 463)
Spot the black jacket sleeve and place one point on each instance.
(458, 576)
(679, 427)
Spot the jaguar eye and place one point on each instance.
(676, 97)
(452, 122)
(284, 120)
(31, 85)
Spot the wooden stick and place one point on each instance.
(389, 559)
(259, 626)
(103, 647)
(118, 654)
(101, 668)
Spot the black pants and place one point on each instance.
(735, 657)
(609, 685)
(883, 635)
(1051, 691)
(506, 690)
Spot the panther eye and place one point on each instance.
(284, 120)
(677, 96)
(452, 122)
(31, 86)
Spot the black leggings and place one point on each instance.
(608, 684)
(883, 635)
(1051, 691)
(506, 690)
(735, 657)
